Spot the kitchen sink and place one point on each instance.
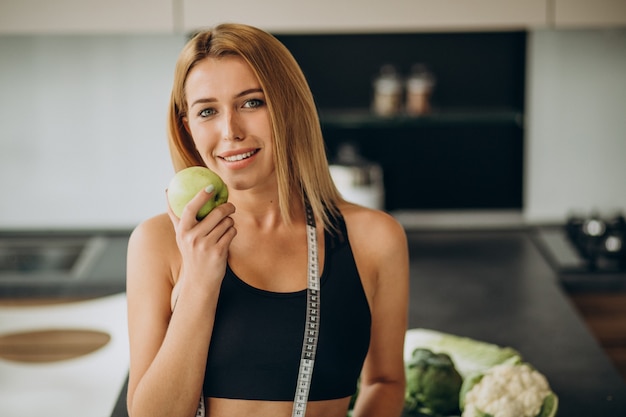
(49, 264)
(28, 256)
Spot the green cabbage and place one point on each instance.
(469, 355)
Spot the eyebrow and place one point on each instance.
(213, 100)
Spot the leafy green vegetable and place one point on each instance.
(469, 355)
(550, 406)
(433, 384)
(355, 395)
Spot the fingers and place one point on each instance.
(218, 224)
(189, 214)
(188, 218)
(224, 231)
(204, 244)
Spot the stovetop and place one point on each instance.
(587, 252)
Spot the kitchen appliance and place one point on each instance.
(358, 180)
(588, 252)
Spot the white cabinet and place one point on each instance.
(589, 14)
(299, 16)
(86, 16)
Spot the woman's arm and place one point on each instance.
(383, 260)
(168, 349)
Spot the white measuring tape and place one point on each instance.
(311, 324)
(201, 412)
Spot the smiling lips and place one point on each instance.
(240, 157)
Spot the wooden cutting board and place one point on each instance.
(51, 345)
(48, 345)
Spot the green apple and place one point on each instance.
(188, 182)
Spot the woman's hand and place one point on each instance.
(204, 244)
(184, 264)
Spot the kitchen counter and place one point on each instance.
(56, 376)
(495, 286)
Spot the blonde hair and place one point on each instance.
(299, 152)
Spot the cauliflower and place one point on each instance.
(508, 390)
(432, 384)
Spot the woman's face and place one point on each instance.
(229, 122)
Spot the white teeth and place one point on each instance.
(239, 157)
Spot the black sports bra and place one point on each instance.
(257, 337)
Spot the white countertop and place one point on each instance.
(86, 386)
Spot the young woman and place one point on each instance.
(217, 308)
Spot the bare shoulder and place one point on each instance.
(152, 245)
(374, 227)
(380, 249)
(155, 228)
(378, 241)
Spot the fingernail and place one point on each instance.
(210, 188)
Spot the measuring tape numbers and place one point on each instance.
(312, 322)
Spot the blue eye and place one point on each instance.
(206, 112)
(253, 103)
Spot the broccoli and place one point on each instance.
(433, 384)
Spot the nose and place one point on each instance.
(232, 126)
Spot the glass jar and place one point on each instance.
(387, 100)
(419, 87)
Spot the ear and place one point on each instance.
(186, 124)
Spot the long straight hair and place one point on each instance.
(299, 152)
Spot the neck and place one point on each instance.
(261, 211)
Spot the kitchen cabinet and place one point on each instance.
(605, 316)
(285, 16)
(86, 16)
(589, 14)
(467, 153)
(331, 16)
(459, 159)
